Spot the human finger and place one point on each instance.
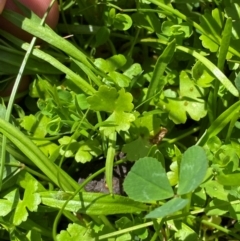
(2, 4)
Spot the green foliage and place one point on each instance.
(119, 104)
(73, 232)
(212, 23)
(144, 92)
(189, 101)
(83, 203)
(193, 167)
(147, 181)
(168, 208)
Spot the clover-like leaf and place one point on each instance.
(147, 181)
(83, 156)
(136, 149)
(168, 208)
(193, 167)
(226, 157)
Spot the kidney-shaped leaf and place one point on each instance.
(75, 232)
(168, 208)
(122, 22)
(193, 169)
(147, 181)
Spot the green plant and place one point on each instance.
(153, 84)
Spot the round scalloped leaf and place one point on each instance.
(120, 79)
(74, 232)
(122, 22)
(203, 76)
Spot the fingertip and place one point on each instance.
(2, 4)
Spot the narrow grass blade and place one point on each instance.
(157, 82)
(92, 203)
(89, 73)
(213, 68)
(223, 51)
(225, 42)
(220, 122)
(171, 10)
(11, 59)
(48, 35)
(10, 105)
(109, 160)
(37, 157)
(75, 78)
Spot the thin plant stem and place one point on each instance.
(220, 228)
(187, 133)
(35, 173)
(112, 47)
(126, 230)
(106, 222)
(154, 237)
(110, 160)
(133, 43)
